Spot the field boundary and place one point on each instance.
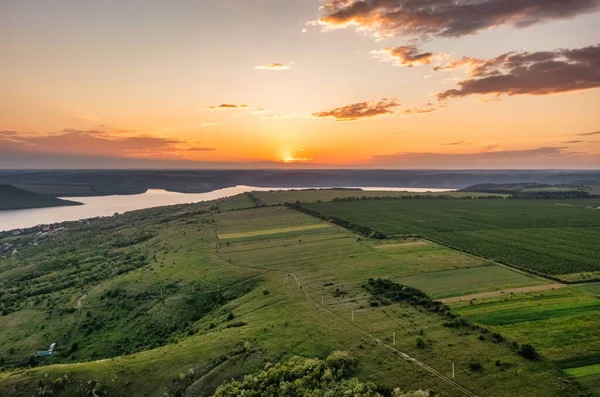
(372, 233)
(364, 332)
(491, 294)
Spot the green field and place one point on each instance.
(562, 324)
(153, 302)
(546, 236)
(276, 197)
(449, 283)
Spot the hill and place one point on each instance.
(177, 301)
(79, 183)
(13, 198)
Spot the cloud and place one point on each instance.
(417, 111)
(574, 142)
(273, 66)
(457, 143)
(226, 106)
(445, 18)
(361, 110)
(407, 55)
(8, 133)
(200, 149)
(93, 143)
(589, 133)
(76, 131)
(541, 157)
(528, 73)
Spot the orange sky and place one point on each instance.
(331, 84)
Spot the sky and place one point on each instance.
(406, 84)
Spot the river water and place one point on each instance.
(108, 205)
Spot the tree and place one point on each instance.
(301, 376)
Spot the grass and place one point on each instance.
(255, 233)
(568, 317)
(277, 197)
(583, 371)
(457, 282)
(190, 288)
(555, 238)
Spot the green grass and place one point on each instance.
(583, 371)
(545, 236)
(156, 319)
(457, 282)
(239, 201)
(568, 317)
(314, 195)
(255, 233)
(593, 288)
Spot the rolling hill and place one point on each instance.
(13, 198)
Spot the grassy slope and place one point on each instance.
(12, 198)
(557, 238)
(279, 323)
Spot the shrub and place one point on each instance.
(528, 351)
(420, 342)
(475, 366)
(236, 324)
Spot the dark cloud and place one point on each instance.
(445, 18)
(93, 143)
(361, 110)
(407, 55)
(541, 157)
(570, 142)
(8, 133)
(525, 73)
(590, 133)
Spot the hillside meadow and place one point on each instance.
(176, 301)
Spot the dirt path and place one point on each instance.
(366, 333)
(491, 294)
(80, 301)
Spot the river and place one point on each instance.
(108, 205)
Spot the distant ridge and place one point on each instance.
(13, 198)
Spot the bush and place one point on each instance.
(475, 366)
(230, 316)
(528, 351)
(236, 324)
(420, 342)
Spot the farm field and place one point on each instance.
(178, 300)
(543, 236)
(448, 283)
(276, 197)
(569, 318)
(333, 268)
